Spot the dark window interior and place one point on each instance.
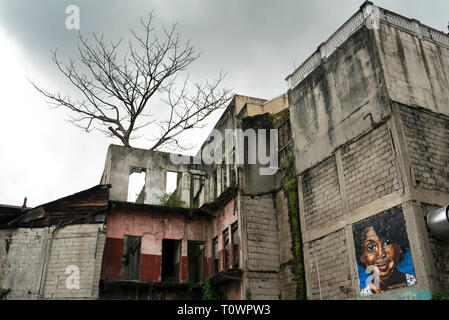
(131, 258)
(215, 255)
(214, 176)
(235, 246)
(226, 248)
(171, 260)
(195, 261)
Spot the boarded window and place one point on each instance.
(171, 260)
(131, 258)
(195, 261)
(235, 245)
(136, 185)
(215, 254)
(226, 248)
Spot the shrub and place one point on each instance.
(170, 200)
(441, 295)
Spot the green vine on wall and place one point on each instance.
(441, 295)
(4, 293)
(209, 290)
(290, 189)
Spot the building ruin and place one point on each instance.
(363, 146)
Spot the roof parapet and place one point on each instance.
(357, 21)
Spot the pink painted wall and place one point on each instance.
(225, 218)
(152, 227)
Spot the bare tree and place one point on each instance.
(116, 87)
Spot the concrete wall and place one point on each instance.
(370, 128)
(426, 147)
(275, 105)
(35, 265)
(122, 161)
(416, 69)
(338, 101)
(400, 162)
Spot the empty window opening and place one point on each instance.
(136, 185)
(195, 261)
(235, 245)
(131, 258)
(171, 260)
(214, 184)
(215, 254)
(224, 177)
(198, 194)
(226, 248)
(172, 182)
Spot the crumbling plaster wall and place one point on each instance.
(377, 109)
(153, 227)
(416, 70)
(121, 161)
(287, 283)
(36, 263)
(225, 218)
(338, 101)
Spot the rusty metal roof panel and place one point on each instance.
(81, 207)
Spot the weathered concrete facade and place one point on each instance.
(235, 220)
(35, 266)
(371, 126)
(363, 157)
(55, 251)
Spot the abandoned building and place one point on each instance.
(362, 159)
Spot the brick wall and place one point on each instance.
(333, 267)
(440, 252)
(80, 246)
(263, 286)
(24, 267)
(287, 283)
(369, 168)
(428, 141)
(263, 247)
(321, 194)
(262, 234)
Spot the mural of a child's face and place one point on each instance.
(377, 252)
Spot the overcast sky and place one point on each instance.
(256, 43)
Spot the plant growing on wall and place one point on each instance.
(4, 293)
(170, 200)
(441, 295)
(290, 189)
(209, 291)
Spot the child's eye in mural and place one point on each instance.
(383, 253)
(371, 247)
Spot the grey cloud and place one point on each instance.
(256, 42)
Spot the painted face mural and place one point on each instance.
(383, 253)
